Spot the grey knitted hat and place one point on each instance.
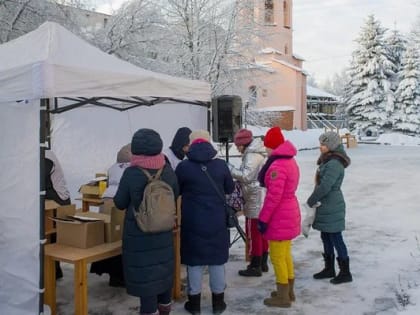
(330, 139)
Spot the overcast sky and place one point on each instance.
(324, 30)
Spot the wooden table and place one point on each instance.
(80, 257)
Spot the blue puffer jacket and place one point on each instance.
(204, 235)
(148, 258)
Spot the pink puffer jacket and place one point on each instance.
(281, 208)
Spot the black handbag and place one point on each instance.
(231, 218)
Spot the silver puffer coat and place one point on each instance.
(247, 175)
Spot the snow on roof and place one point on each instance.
(288, 64)
(280, 108)
(313, 91)
(270, 50)
(298, 56)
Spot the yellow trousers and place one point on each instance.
(282, 260)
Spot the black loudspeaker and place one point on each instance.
(226, 117)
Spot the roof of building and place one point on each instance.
(316, 92)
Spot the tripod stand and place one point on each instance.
(240, 233)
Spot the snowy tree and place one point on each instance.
(369, 94)
(18, 17)
(135, 33)
(407, 113)
(395, 45)
(196, 39)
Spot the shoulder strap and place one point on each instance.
(150, 177)
(204, 169)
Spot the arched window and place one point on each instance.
(269, 12)
(252, 97)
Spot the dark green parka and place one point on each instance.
(330, 216)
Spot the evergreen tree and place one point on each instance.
(395, 44)
(407, 113)
(369, 95)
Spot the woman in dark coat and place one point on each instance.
(148, 258)
(204, 234)
(330, 215)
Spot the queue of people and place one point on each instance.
(268, 176)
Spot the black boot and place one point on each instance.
(193, 305)
(164, 309)
(253, 269)
(264, 262)
(328, 271)
(218, 301)
(344, 275)
(58, 271)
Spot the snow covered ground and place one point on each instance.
(383, 231)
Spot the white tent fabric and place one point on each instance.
(19, 199)
(52, 62)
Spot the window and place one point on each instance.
(286, 15)
(105, 22)
(286, 49)
(252, 90)
(269, 12)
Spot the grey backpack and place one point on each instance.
(157, 210)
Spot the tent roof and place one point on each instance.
(53, 62)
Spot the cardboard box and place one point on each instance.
(64, 211)
(95, 188)
(81, 234)
(113, 220)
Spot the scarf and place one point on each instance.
(264, 169)
(153, 162)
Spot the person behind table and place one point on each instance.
(148, 258)
(113, 266)
(204, 233)
(330, 215)
(253, 158)
(179, 147)
(279, 218)
(55, 189)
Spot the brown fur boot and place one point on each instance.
(282, 298)
(291, 291)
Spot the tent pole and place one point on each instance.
(43, 112)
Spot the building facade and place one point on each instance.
(278, 80)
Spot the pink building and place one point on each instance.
(278, 81)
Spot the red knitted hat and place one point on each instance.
(273, 138)
(243, 137)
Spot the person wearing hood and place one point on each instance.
(204, 232)
(253, 158)
(330, 215)
(148, 258)
(279, 218)
(179, 147)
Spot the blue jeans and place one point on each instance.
(216, 278)
(149, 304)
(334, 240)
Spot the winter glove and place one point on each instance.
(309, 217)
(262, 226)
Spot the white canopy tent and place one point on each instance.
(50, 70)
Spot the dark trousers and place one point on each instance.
(149, 304)
(334, 240)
